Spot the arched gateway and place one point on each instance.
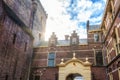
(74, 69)
(74, 76)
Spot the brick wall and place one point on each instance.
(15, 45)
(98, 73)
(82, 51)
(22, 8)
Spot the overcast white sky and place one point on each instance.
(64, 16)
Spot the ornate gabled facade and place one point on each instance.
(52, 40)
(74, 39)
(48, 56)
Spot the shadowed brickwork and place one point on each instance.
(15, 42)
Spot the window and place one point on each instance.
(39, 36)
(25, 49)
(14, 38)
(41, 21)
(74, 40)
(52, 41)
(41, 18)
(117, 39)
(6, 77)
(78, 78)
(37, 77)
(51, 59)
(99, 58)
(96, 37)
(110, 76)
(119, 15)
(20, 2)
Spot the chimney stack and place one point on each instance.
(66, 37)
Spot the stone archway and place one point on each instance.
(74, 66)
(74, 76)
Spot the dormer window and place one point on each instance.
(96, 37)
(74, 40)
(53, 40)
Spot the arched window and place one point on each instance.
(6, 77)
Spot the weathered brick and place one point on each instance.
(14, 58)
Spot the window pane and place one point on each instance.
(96, 37)
(51, 63)
(51, 55)
(74, 40)
(99, 58)
(51, 59)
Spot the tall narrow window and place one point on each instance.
(117, 33)
(37, 77)
(6, 77)
(74, 40)
(41, 21)
(51, 59)
(99, 58)
(20, 78)
(25, 49)
(39, 36)
(14, 38)
(96, 37)
(41, 18)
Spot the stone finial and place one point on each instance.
(62, 61)
(86, 59)
(74, 55)
(87, 62)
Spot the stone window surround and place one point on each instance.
(53, 52)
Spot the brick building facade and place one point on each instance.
(102, 48)
(100, 52)
(16, 38)
(111, 38)
(49, 55)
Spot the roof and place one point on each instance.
(64, 42)
(94, 27)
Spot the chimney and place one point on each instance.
(66, 37)
(87, 25)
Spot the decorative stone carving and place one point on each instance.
(53, 40)
(74, 39)
(73, 66)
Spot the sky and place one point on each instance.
(64, 16)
